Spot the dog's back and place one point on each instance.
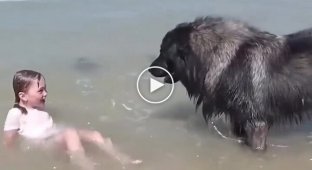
(300, 42)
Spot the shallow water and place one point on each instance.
(91, 53)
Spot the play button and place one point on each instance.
(154, 85)
(152, 89)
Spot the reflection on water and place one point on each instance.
(91, 53)
(84, 65)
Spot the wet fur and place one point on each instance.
(255, 78)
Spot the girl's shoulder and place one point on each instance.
(15, 111)
(12, 119)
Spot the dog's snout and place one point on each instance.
(156, 71)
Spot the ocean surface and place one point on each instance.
(91, 52)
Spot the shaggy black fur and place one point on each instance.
(253, 77)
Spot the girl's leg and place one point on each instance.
(106, 145)
(70, 139)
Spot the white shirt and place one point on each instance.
(35, 124)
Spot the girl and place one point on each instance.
(29, 119)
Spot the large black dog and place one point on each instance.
(253, 77)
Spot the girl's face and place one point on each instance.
(36, 94)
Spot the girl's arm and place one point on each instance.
(9, 138)
(11, 127)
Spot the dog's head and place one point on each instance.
(173, 50)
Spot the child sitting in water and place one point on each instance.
(29, 119)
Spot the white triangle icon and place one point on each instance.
(154, 85)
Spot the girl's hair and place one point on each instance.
(21, 82)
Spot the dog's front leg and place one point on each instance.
(257, 133)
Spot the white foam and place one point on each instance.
(113, 102)
(86, 86)
(127, 107)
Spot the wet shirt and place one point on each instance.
(34, 124)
